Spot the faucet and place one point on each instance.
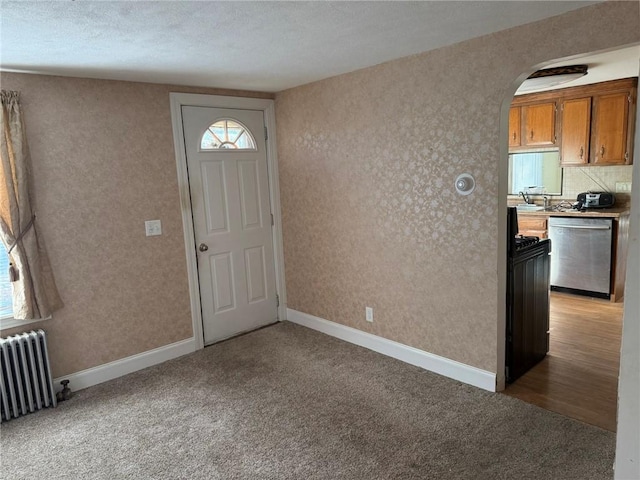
(525, 197)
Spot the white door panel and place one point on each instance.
(250, 206)
(232, 218)
(222, 276)
(213, 185)
(256, 274)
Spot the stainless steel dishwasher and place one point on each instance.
(581, 254)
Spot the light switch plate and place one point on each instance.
(153, 227)
(368, 314)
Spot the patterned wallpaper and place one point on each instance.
(367, 165)
(103, 163)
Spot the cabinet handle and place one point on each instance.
(514, 136)
(602, 151)
(531, 134)
(581, 151)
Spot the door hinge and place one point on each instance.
(626, 156)
(277, 300)
(272, 222)
(266, 134)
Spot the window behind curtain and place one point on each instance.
(6, 307)
(527, 172)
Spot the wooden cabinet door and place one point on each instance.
(576, 126)
(610, 122)
(515, 126)
(539, 125)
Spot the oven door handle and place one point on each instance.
(583, 227)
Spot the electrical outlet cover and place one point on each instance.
(623, 187)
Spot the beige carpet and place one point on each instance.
(286, 402)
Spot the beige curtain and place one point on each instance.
(34, 291)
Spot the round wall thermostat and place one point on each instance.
(465, 184)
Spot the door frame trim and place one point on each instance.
(267, 106)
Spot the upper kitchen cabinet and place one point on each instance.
(515, 127)
(539, 125)
(576, 128)
(595, 123)
(612, 138)
(532, 126)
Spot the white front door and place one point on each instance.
(229, 187)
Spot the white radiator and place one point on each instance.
(25, 377)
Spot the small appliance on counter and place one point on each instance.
(595, 200)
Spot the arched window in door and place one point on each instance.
(227, 134)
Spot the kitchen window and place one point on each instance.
(535, 173)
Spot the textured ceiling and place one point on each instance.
(267, 46)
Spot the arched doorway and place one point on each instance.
(578, 378)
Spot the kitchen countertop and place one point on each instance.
(614, 212)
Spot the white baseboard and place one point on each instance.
(118, 368)
(434, 363)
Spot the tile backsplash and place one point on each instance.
(576, 180)
(582, 179)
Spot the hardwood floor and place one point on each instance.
(579, 376)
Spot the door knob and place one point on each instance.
(203, 247)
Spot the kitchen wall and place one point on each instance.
(582, 179)
(367, 165)
(576, 180)
(103, 163)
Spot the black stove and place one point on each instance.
(527, 326)
(517, 244)
(521, 242)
